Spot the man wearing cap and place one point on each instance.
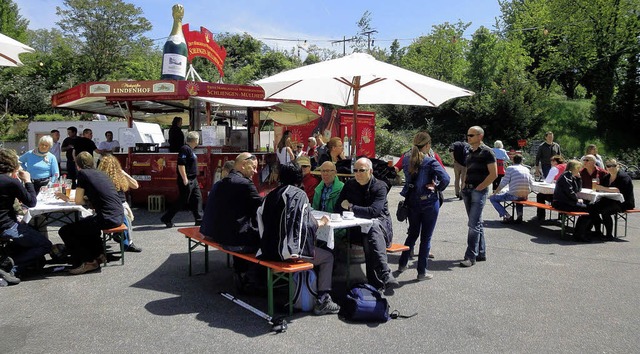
(309, 181)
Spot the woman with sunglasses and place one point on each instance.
(424, 178)
(615, 181)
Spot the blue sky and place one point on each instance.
(318, 21)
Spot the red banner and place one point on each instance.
(201, 44)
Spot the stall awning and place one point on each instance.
(149, 100)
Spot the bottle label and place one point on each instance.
(174, 64)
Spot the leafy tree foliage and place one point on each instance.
(110, 31)
(11, 23)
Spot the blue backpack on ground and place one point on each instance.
(364, 303)
(305, 290)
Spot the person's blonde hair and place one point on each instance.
(573, 164)
(110, 165)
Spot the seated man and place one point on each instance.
(15, 183)
(82, 238)
(270, 230)
(519, 180)
(366, 196)
(327, 193)
(590, 172)
(230, 214)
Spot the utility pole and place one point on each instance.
(368, 34)
(344, 43)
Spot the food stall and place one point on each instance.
(228, 117)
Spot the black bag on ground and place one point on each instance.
(365, 304)
(286, 226)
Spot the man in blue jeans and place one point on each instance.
(481, 171)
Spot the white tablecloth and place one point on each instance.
(585, 193)
(325, 233)
(54, 206)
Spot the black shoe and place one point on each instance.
(391, 282)
(508, 220)
(467, 263)
(518, 220)
(167, 223)
(481, 258)
(133, 248)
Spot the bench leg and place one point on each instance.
(269, 292)
(564, 221)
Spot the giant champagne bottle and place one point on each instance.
(174, 58)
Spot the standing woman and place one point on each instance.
(40, 163)
(424, 178)
(616, 181)
(501, 159)
(284, 150)
(176, 136)
(123, 182)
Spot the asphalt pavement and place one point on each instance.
(536, 292)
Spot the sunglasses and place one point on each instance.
(609, 166)
(471, 135)
(306, 166)
(361, 170)
(251, 157)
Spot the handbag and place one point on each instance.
(402, 213)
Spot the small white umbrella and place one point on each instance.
(359, 79)
(10, 49)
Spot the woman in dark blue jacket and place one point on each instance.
(424, 177)
(565, 197)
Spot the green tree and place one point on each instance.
(109, 31)
(11, 23)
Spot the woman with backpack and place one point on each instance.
(424, 177)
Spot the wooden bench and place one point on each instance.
(107, 234)
(393, 248)
(623, 215)
(276, 271)
(565, 216)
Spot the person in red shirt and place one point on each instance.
(590, 172)
(309, 181)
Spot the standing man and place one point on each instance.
(188, 189)
(481, 171)
(55, 148)
(109, 146)
(67, 146)
(546, 151)
(519, 180)
(459, 151)
(84, 143)
(366, 197)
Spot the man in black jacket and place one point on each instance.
(366, 196)
(230, 214)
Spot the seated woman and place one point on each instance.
(558, 167)
(616, 181)
(565, 197)
(30, 245)
(40, 163)
(123, 182)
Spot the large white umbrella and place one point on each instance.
(10, 49)
(359, 79)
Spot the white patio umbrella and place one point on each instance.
(359, 79)
(10, 49)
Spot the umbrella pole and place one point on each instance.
(354, 139)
